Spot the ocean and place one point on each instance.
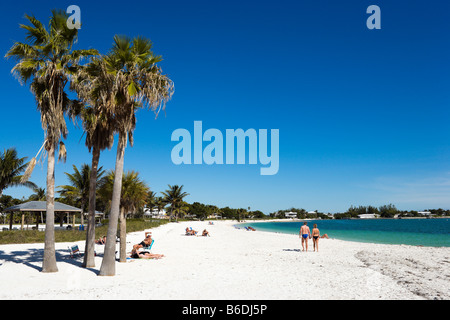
(416, 232)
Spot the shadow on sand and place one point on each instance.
(33, 258)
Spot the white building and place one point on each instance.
(424, 213)
(155, 213)
(290, 214)
(368, 216)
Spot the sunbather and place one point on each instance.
(148, 240)
(135, 254)
(205, 233)
(102, 240)
(191, 232)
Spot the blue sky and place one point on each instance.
(362, 114)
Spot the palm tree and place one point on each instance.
(181, 209)
(138, 82)
(151, 201)
(134, 195)
(38, 195)
(11, 168)
(174, 198)
(160, 204)
(46, 60)
(79, 187)
(93, 86)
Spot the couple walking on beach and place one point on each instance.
(306, 234)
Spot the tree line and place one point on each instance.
(353, 212)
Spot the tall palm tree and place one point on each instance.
(133, 196)
(45, 61)
(138, 83)
(11, 169)
(174, 198)
(93, 85)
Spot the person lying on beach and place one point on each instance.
(205, 233)
(135, 254)
(191, 232)
(102, 240)
(315, 236)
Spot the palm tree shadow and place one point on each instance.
(33, 258)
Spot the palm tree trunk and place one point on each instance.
(108, 267)
(89, 251)
(83, 204)
(123, 236)
(49, 262)
(11, 218)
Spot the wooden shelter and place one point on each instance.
(38, 207)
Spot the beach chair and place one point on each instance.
(150, 246)
(74, 250)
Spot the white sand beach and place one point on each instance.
(233, 264)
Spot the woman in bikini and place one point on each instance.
(315, 236)
(135, 254)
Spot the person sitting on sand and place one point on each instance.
(325, 236)
(102, 240)
(315, 236)
(135, 254)
(148, 240)
(205, 233)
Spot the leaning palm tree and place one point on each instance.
(138, 83)
(133, 196)
(45, 61)
(174, 198)
(11, 169)
(93, 85)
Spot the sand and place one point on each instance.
(233, 264)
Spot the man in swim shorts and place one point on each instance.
(304, 234)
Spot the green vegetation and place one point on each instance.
(34, 236)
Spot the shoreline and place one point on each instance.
(245, 265)
(344, 237)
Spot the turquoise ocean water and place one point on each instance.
(425, 232)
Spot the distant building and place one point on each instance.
(155, 213)
(424, 213)
(368, 216)
(290, 214)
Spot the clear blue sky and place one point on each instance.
(363, 114)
